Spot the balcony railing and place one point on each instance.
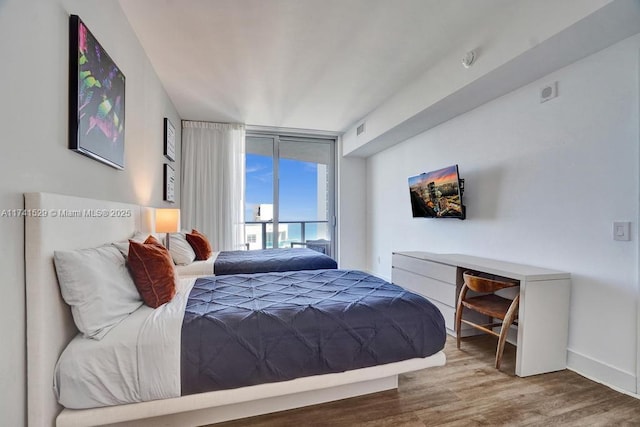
(259, 234)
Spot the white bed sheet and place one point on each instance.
(198, 268)
(138, 360)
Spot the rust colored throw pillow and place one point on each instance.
(200, 244)
(153, 272)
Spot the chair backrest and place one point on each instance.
(482, 282)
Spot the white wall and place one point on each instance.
(33, 115)
(517, 30)
(350, 210)
(544, 183)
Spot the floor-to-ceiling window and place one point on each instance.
(289, 199)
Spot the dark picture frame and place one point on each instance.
(169, 193)
(169, 140)
(96, 98)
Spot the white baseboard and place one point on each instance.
(602, 373)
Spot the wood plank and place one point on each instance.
(468, 391)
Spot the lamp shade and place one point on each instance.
(167, 220)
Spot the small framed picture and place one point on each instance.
(169, 184)
(169, 140)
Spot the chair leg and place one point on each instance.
(504, 329)
(459, 308)
(458, 325)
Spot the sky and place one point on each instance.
(298, 187)
(440, 176)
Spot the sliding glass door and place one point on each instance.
(289, 200)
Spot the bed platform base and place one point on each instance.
(225, 405)
(267, 405)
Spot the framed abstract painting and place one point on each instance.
(96, 98)
(169, 140)
(169, 193)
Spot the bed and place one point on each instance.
(258, 261)
(50, 328)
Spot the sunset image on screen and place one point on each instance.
(436, 194)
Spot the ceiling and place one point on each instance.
(306, 64)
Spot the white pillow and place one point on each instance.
(97, 285)
(180, 250)
(139, 237)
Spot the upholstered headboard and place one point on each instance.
(58, 222)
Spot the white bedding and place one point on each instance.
(198, 268)
(117, 369)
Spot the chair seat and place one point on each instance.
(491, 305)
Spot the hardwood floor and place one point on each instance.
(468, 391)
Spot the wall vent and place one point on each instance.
(360, 130)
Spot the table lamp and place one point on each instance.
(167, 221)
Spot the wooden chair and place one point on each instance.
(489, 304)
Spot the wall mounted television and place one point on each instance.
(437, 194)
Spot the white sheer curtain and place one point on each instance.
(212, 194)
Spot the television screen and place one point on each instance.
(437, 194)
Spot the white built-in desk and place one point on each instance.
(543, 317)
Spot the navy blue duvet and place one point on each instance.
(248, 329)
(268, 260)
